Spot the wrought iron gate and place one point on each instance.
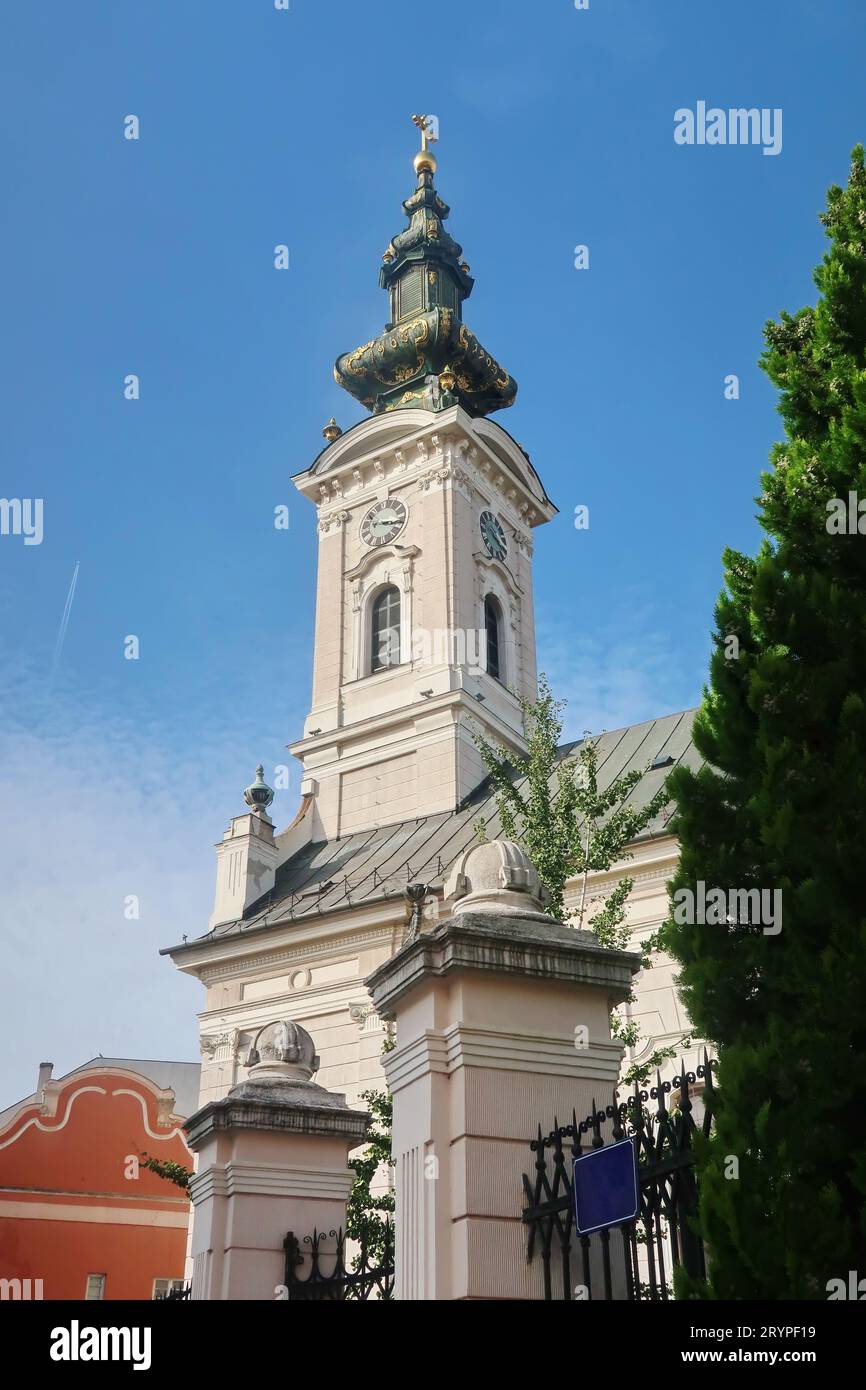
(368, 1279)
(636, 1260)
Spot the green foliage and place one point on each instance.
(367, 1214)
(570, 828)
(780, 804)
(546, 822)
(171, 1172)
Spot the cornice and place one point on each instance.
(263, 1180)
(528, 945)
(444, 451)
(266, 959)
(536, 1054)
(310, 1110)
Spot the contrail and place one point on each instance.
(64, 624)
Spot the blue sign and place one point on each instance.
(606, 1188)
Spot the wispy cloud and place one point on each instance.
(618, 672)
(102, 808)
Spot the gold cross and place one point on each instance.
(421, 123)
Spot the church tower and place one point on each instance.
(424, 608)
(424, 634)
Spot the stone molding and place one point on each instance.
(210, 1044)
(501, 1050)
(265, 1180)
(452, 438)
(447, 475)
(367, 1019)
(264, 962)
(424, 1054)
(604, 882)
(336, 520)
(312, 1115)
(531, 946)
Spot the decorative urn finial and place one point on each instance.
(447, 379)
(259, 795)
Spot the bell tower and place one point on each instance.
(424, 610)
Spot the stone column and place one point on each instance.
(502, 1021)
(271, 1159)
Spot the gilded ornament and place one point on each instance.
(447, 379)
(441, 349)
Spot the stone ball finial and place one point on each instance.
(282, 1050)
(495, 877)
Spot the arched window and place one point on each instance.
(493, 628)
(385, 631)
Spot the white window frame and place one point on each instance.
(502, 634)
(169, 1286)
(372, 599)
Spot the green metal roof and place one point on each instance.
(376, 864)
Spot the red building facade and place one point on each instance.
(80, 1216)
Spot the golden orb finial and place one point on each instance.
(332, 431)
(425, 158)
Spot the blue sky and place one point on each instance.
(155, 257)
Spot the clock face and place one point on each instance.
(493, 536)
(384, 522)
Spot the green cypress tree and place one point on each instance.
(780, 805)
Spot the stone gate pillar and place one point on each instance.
(502, 1023)
(271, 1159)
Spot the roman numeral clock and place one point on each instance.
(493, 536)
(384, 522)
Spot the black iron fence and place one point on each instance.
(370, 1277)
(636, 1260)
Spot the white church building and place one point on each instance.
(427, 515)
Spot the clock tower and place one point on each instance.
(424, 610)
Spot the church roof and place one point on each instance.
(374, 865)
